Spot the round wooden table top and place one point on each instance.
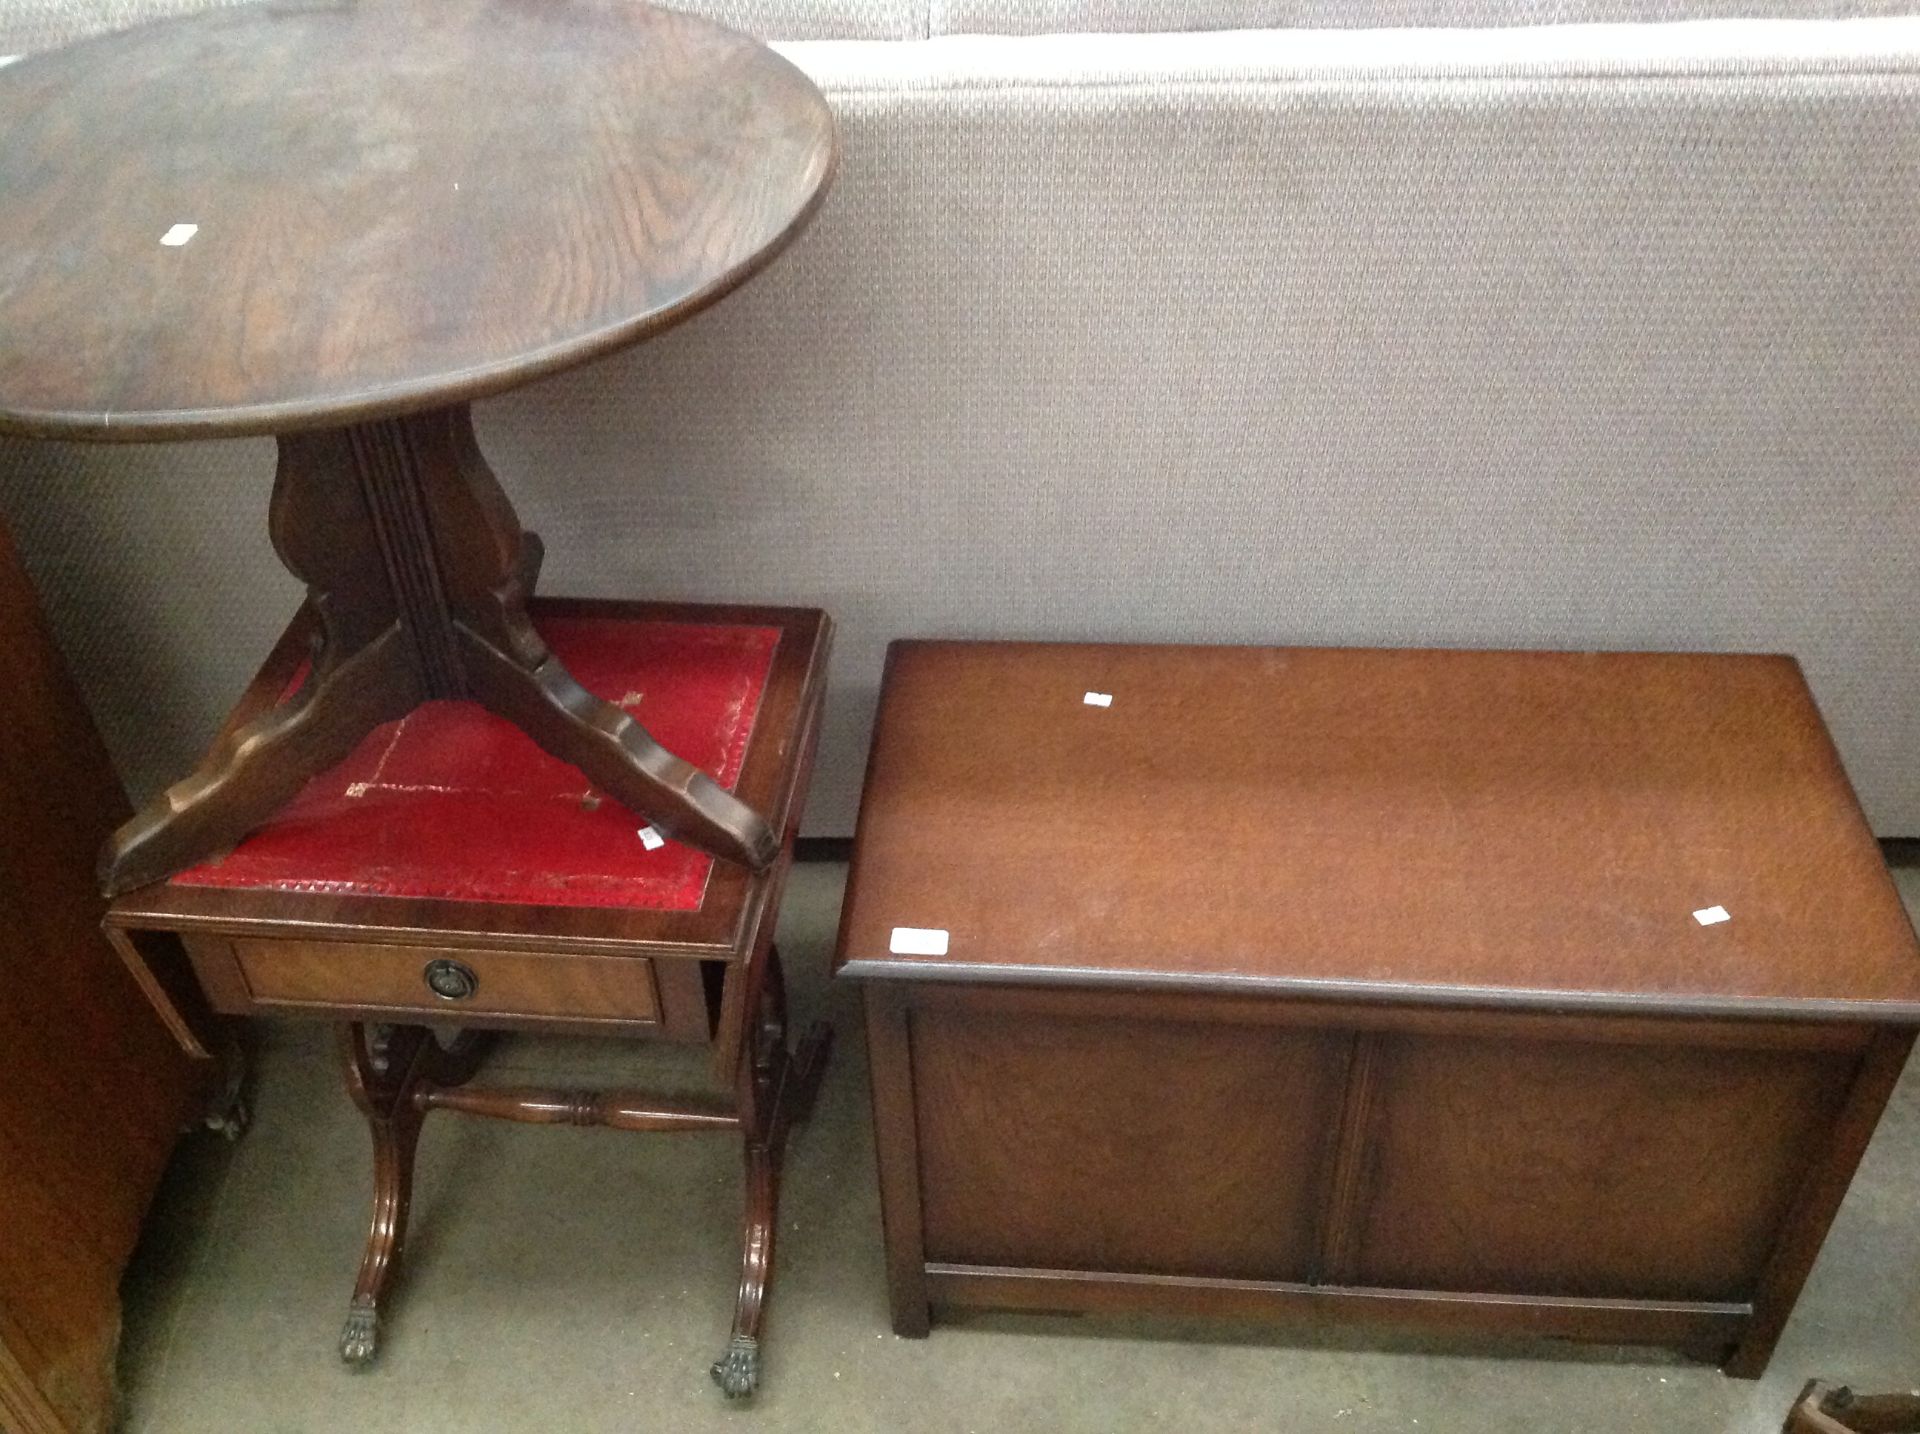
(293, 215)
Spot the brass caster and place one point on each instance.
(360, 1336)
(737, 1372)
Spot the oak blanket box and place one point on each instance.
(1543, 993)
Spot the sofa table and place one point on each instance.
(338, 224)
(1544, 993)
(451, 878)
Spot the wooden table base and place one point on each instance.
(420, 571)
(396, 1074)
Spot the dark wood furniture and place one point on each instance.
(1369, 986)
(1825, 1409)
(449, 877)
(339, 223)
(92, 1093)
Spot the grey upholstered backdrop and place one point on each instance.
(1044, 17)
(27, 25)
(1596, 337)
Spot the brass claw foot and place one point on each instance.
(360, 1336)
(231, 1120)
(737, 1372)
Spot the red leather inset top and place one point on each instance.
(453, 802)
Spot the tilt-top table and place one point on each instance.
(338, 223)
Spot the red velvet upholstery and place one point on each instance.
(452, 802)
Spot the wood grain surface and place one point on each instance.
(361, 974)
(92, 1092)
(1502, 828)
(1628, 1179)
(398, 203)
(1572, 1169)
(1028, 1128)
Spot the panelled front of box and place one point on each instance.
(1587, 1169)
(1458, 1151)
(1127, 1145)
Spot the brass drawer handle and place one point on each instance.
(451, 980)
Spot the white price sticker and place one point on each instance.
(651, 839)
(918, 941)
(1712, 915)
(179, 235)
(1098, 699)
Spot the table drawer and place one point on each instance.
(448, 981)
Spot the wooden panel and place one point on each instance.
(62, 1305)
(896, 1149)
(1818, 1201)
(24, 1408)
(685, 1012)
(1587, 1170)
(343, 973)
(92, 1090)
(1122, 1145)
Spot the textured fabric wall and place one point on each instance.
(28, 25)
(1046, 17)
(1584, 337)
